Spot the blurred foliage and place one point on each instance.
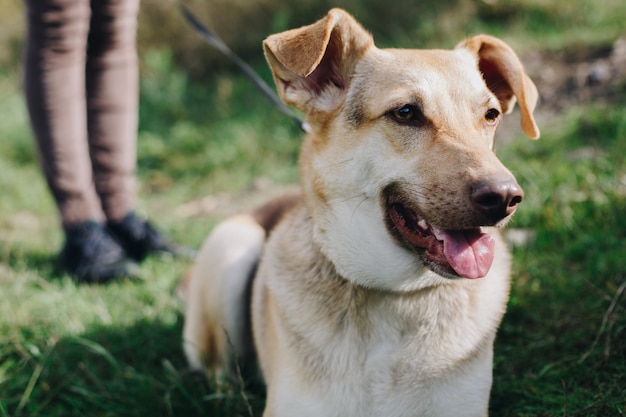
(562, 347)
(220, 131)
(11, 32)
(243, 24)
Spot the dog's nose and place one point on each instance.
(496, 199)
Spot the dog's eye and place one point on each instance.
(408, 114)
(492, 115)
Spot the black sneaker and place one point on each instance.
(139, 239)
(92, 255)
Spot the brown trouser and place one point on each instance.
(81, 84)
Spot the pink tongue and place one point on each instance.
(469, 252)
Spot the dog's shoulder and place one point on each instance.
(269, 214)
(402, 340)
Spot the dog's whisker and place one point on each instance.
(353, 197)
(345, 161)
(359, 205)
(356, 208)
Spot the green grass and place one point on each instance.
(73, 350)
(70, 349)
(562, 347)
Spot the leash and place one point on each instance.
(215, 41)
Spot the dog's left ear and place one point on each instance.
(505, 77)
(313, 65)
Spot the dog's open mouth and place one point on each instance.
(466, 253)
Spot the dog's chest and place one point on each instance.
(398, 371)
(350, 351)
(379, 357)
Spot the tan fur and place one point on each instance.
(216, 290)
(352, 314)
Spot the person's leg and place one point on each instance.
(54, 82)
(112, 103)
(112, 108)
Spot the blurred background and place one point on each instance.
(211, 145)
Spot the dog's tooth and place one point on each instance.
(422, 224)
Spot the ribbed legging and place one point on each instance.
(81, 86)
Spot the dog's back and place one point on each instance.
(216, 292)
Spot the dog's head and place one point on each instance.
(398, 170)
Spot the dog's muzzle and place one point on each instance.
(466, 253)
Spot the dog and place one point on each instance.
(377, 290)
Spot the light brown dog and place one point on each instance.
(379, 291)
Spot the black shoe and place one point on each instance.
(92, 255)
(139, 239)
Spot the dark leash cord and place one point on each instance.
(215, 41)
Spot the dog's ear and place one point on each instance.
(505, 77)
(312, 65)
